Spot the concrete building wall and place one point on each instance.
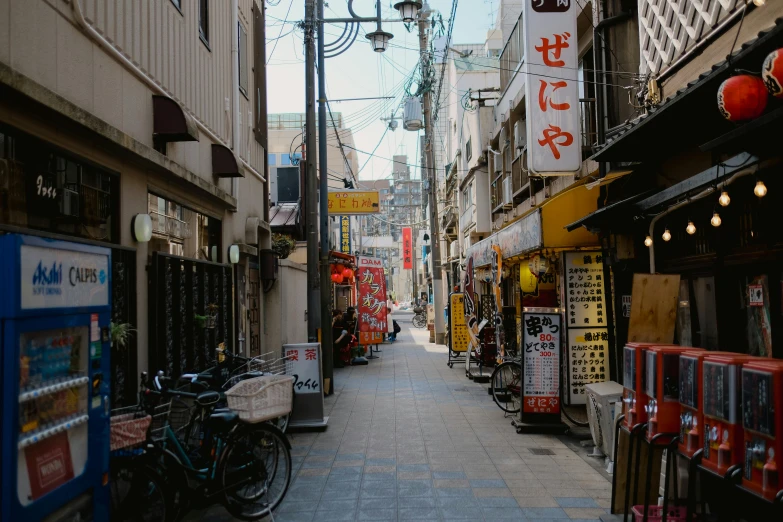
(285, 320)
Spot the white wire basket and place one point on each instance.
(262, 398)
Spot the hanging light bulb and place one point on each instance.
(724, 199)
(691, 228)
(760, 189)
(666, 235)
(759, 3)
(716, 220)
(648, 241)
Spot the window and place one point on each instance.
(203, 21)
(177, 4)
(272, 159)
(183, 232)
(288, 184)
(242, 35)
(259, 74)
(467, 196)
(469, 149)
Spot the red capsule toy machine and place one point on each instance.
(634, 395)
(762, 418)
(691, 400)
(662, 387)
(721, 396)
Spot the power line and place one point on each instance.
(279, 36)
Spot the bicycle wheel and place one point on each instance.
(419, 321)
(507, 386)
(138, 493)
(255, 471)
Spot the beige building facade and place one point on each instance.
(145, 108)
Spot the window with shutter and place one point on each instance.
(242, 35)
(259, 74)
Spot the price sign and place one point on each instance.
(458, 334)
(306, 367)
(541, 362)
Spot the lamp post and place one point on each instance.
(379, 40)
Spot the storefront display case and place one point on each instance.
(662, 387)
(762, 420)
(721, 396)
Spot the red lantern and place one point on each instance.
(337, 278)
(772, 73)
(348, 274)
(742, 97)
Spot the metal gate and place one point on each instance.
(253, 313)
(179, 290)
(124, 364)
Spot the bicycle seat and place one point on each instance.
(207, 398)
(223, 421)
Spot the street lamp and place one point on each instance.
(379, 40)
(407, 10)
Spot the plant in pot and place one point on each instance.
(210, 319)
(283, 245)
(120, 333)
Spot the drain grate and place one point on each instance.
(541, 451)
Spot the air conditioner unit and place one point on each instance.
(508, 192)
(520, 134)
(454, 249)
(601, 399)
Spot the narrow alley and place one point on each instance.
(411, 439)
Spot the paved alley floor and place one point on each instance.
(411, 439)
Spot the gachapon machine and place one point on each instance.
(634, 394)
(762, 418)
(54, 341)
(721, 393)
(662, 387)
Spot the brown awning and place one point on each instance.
(170, 122)
(224, 163)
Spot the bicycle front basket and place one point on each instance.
(262, 398)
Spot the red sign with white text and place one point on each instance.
(49, 464)
(407, 249)
(372, 295)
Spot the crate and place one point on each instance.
(262, 398)
(655, 514)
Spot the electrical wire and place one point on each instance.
(279, 36)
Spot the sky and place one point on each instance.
(360, 72)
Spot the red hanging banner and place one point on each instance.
(372, 295)
(407, 249)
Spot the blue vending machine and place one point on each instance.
(54, 371)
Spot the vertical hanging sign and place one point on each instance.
(407, 249)
(372, 296)
(551, 90)
(345, 234)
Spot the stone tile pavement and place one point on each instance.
(411, 439)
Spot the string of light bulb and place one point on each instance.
(760, 190)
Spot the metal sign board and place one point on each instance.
(305, 360)
(345, 234)
(407, 249)
(347, 202)
(551, 88)
(541, 334)
(371, 284)
(459, 338)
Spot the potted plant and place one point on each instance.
(211, 318)
(120, 333)
(283, 245)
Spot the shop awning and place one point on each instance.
(284, 217)
(690, 117)
(170, 122)
(224, 163)
(543, 226)
(614, 213)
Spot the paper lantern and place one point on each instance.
(337, 278)
(348, 274)
(742, 97)
(772, 73)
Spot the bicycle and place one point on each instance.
(217, 458)
(419, 317)
(506, 385)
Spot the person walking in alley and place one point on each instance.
(392, 336)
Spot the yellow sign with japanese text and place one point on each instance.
(459, 338)
(347, 202)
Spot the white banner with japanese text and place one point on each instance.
(554, 141)
(587, 328)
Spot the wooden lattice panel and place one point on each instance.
(669, 28)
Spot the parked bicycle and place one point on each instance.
(419, 317)
(506, 383)
(207, 454)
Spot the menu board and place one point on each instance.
(587, 331)
(588, 360)
(458, 331)
(541, 362)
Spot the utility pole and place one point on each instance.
(327, 342)
(437, 276)
(311, 187)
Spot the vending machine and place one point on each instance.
(54, 373)
(721, 396)
(662, 387)
(762, 418)
(634, 394)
